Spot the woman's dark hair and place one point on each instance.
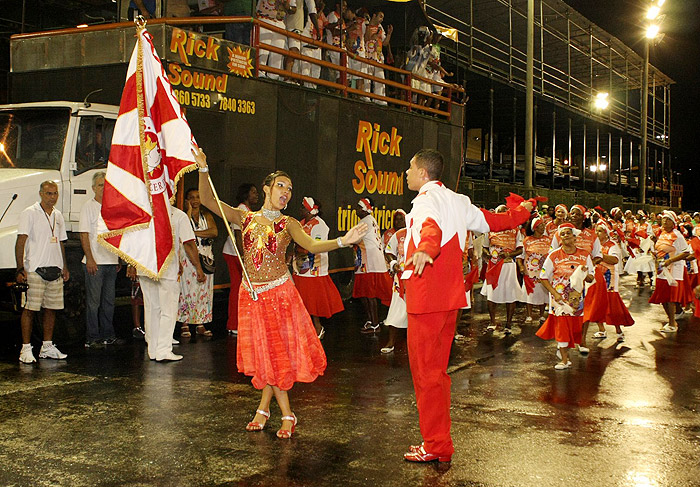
(270, 178)
(189, 190)
(243, 192)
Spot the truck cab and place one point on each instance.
(65, 142)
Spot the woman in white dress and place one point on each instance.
(196, 298)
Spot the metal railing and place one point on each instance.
(408, 97)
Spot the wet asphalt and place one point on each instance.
(626, 415)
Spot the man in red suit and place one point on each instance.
(436, 231)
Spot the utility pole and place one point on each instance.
(529, 93)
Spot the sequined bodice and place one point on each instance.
(264, 248)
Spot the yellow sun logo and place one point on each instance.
(240, 62)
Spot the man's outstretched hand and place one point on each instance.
(419, 261)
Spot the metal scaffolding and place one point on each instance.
(574, 60)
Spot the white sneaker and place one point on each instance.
(669, 329)
(26, 356)
(170, 357)
(543, 319)
(528, 319)
(620, 337)
(583, 350)
(680, 314)
(50, 351)
(600, 334)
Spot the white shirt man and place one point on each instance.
(100, 266)
(39, 252)
(160, 298)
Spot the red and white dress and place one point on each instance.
(372, 279)
(588, 241)
(277, 342)
(501, 284)
(642, 260)
(558, 267)
(616, 311)
(535, 250)
(311, 278)
(669, 244)
(397, 316)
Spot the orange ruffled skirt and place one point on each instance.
(320, 295)
(562, 329)
(277, 342)
(373, 285)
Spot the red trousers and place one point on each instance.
(430, 338)
(235, 273)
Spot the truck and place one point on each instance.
(336, 148)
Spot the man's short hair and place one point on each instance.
(98, 175)
(430, 160)
(47, 183)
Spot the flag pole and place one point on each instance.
(253, 294)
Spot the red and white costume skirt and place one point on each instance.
(538, 296)
(397, 316)
(319, 294)
(595, 304)
(663, 293)
(508, 289)
(563, 329)
(373, 285)
(277, 342)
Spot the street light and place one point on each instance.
(652, 33)
(601, 101)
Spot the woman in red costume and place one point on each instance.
(566, 295)
(671, 250)
(316, 288)
(277, 342)
(616, 313)
(587, 240)
(535, 249)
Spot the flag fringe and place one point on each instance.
(128, 259)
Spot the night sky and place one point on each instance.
(678, 56)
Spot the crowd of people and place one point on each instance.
(564, 264)
(358, 34)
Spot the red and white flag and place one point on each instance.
(151, 150)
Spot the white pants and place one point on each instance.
(310, 69)
(160, 301)
(377, 88)
(272, 59)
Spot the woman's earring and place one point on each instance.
(285, 206)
